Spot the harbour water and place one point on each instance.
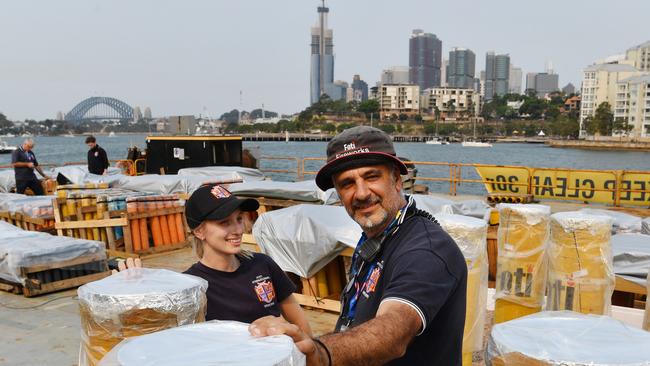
(58, 150)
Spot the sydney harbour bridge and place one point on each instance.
(100, 109)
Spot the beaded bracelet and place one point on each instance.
(329, 356)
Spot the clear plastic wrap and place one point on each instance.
(645, 226)
(522, 239)
(470, 234)
(302, 239)
(7, 180)
(622, 222)
(631, 254)
(224, 173)
(433, 204)
(581, 273)
(6, 200)
(564, 338)
(210, 343)
(135, 302)
(305, 191)
(646, 317)
(33, 206)
(20, 248)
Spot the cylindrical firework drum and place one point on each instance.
(581, 274)
(210, 343)
(560, 338)
(470, 234)
(135, 302)
(521, 264)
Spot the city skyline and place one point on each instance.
(194, 57)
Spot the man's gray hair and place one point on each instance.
(28, 141)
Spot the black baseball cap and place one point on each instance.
(354, 148)
(214, 202)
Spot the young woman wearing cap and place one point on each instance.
(243, 286)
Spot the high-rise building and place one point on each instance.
(425, 59)
(497, 74)
(569, 89)
(639, 56)
(398, 99)
(147, 113)
(599, 85)
(359, 89)
(337, 90)
(395, 75)
(461, 69)
(530, 81)
(633, 104)
(322, 57)
(514, 82)
(451, 101)
(542, 83)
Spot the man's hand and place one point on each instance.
(30, 165)
(127, 264)
(272, 325)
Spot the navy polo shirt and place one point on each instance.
(21, 156)
(254, 290)
(421, 266)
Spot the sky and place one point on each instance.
(194, 56)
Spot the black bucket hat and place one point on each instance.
(214, 202)
(354, 148)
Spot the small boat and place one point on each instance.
(436, 141)
(112, 134)
(5, 148)
(476, 144)
(69, 134)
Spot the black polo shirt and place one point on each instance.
(97, 160)
(21, 156)
(421, 266)
(254, 290)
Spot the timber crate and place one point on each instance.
(25, 222)
(149, 224)
(56, 276)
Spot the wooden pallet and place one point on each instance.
(56, 276)
(123, 247)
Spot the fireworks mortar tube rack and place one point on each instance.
(65, 225)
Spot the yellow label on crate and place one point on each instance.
(588, 186)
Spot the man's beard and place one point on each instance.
(367, 222)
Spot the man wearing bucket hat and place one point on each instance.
(405, 302)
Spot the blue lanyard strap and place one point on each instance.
(356, 269)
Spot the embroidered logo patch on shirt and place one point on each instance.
(372, 280)
(265, 291)
(219, 192)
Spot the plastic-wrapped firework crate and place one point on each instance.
(136, 302)
(209, 343)
(522, 240)
(581, 274)
(470, 234)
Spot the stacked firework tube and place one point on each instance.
(328, 282)
(155, 230)
(581, 273)
(470, 234)
(521, 263)
(84, 202)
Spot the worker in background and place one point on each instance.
(97, 159)
(24, 162)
